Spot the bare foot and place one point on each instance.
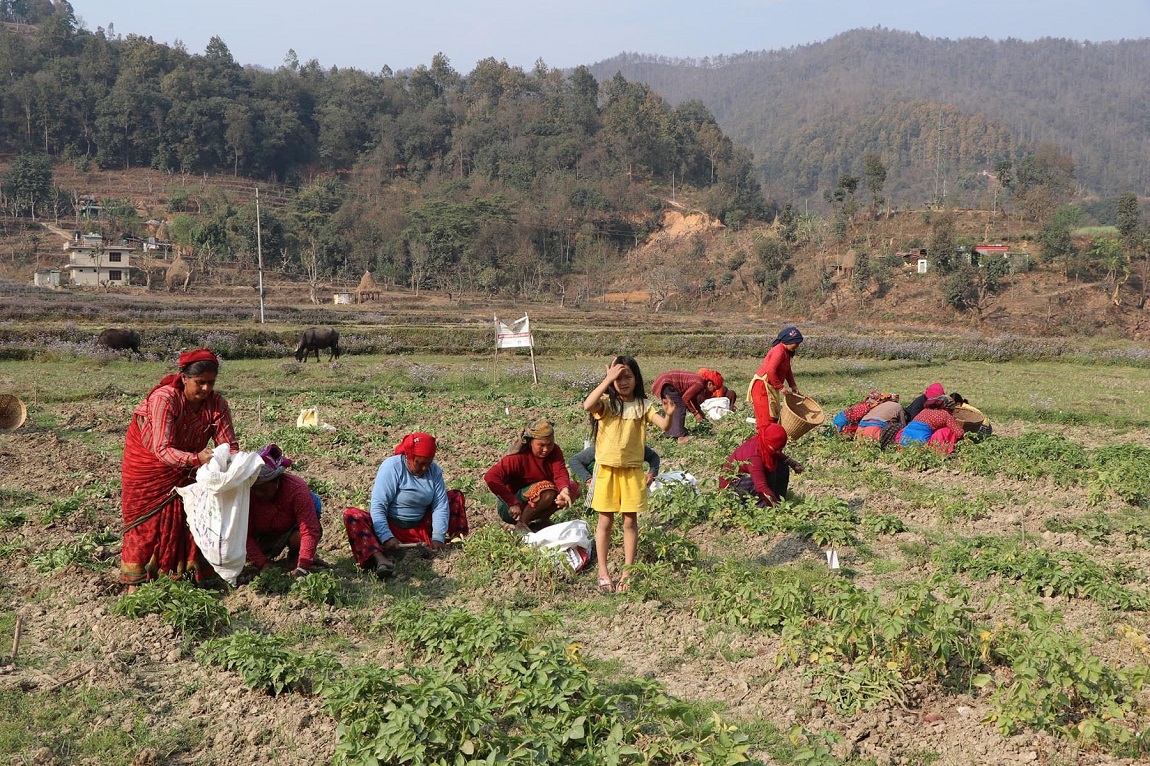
(683, 439)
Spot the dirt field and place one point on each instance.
(91, 686)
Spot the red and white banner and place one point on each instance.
(514, 335)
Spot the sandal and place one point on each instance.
(606, 584)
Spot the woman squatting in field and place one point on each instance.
(531, 481)
(410, 505)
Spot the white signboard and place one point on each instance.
(514, 335)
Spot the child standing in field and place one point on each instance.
(619, 413)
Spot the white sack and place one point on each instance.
(217, 508)
(667, 478)
(716, 407)
(573, 538)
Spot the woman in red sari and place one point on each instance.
(167, 441)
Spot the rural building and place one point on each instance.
(1019, 259)
(367, 291)
(50, 279)
(95, 263)
(911, 257)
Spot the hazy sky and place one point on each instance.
(367, 34)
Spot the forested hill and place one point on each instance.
(810, 112)
(493, 179)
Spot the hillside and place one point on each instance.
(958, 106)
(689, 269)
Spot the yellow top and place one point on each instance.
(621, 439)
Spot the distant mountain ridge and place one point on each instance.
(940, 112)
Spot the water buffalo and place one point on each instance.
(120, 340)
(315, 338)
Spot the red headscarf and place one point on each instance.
(933, 390)
(199, 355)
(416, 445)
(713, 376)
(772, 439)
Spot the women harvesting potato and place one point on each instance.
(532, 482)
(167, 441)
(410, 504)
(284, 513)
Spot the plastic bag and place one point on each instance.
(217, 508)
(673, 477)
(573, 538)
(716, 407)
(308, 418)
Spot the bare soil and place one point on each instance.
(70, 628)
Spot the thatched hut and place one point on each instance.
(368, 290)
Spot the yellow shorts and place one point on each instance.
(619, 490)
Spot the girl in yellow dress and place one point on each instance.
(619, 412)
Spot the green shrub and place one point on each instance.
(322, 588)
(264, 663)
(194, 612)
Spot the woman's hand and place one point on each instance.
(795, 465)
(650, 477)
(698, 417)
(515, 512)
(668, 406)
(563, 499)
(204, 455)
(435, 545)
(298, 572)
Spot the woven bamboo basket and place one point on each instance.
(12, 412)
(969, 418)
(799, 415)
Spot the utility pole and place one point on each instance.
(260, 254)
(939, 182)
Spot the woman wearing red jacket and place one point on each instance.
(531, 482)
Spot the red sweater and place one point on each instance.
(777, 367)
(750, 461)
(291, 507)
(514, 472)
(690, 386)
(938, 418)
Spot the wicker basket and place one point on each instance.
(969, 418)
(12, 412)
(799, 415)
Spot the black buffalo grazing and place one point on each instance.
(315, 338)
(120, 340)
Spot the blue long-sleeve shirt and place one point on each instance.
(404, 498)
(582, 463)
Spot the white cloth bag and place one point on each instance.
(217, 508)
(573, 538)
(716, 407)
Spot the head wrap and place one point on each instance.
(199, 355)
(539, 429)
(713, 377)
(274, 463)
(934, 390)
(878, 397)
(943, 402)
(416, 445)
(788, 335)
(772, 439)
